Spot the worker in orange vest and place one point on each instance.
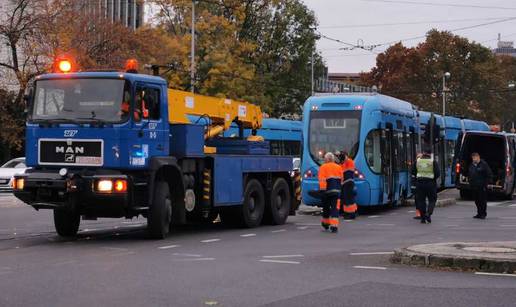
(330, 180)
(348, 204)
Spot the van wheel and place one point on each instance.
(160, 212)
(510, 196)
(66, 222)
(278, 203)
(254, 204)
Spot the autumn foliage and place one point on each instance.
(479, 83)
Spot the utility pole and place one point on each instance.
(312, 64)
(192, 55)
(446, 75)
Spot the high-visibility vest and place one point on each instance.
(330, 177)
(425, 168)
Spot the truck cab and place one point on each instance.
(119, 144)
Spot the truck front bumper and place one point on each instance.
(47, 189)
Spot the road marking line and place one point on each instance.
(302, 228)
(371, 253)
(210, 240)
(279, 230)
(380, 225)
(248, 235)
(167, 246)
(411, 211)
(513, 205)
(495, 274)
(279, 261)
(195, 259)
(87, 229)
(348, 221)
(186, 255)
(117, 249)
(370, 267)
(373, 216)
(283, 256)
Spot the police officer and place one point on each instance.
(480, 175)
(330, 178)
(348, 206)
(426, 171)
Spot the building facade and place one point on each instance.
(505, 48)
(128, 12)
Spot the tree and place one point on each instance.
(415, 74)
(257, 50)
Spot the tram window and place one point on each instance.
(372, 151)
(410, 151)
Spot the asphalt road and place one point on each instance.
(112, 263)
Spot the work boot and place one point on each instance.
(429, 219)
(325, 226)
(423, 220)
(334, 229)
(476, 216)
(417, 217)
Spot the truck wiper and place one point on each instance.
(57, 120)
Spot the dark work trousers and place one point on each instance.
(330, 206)
(426, 189)
(480, 194)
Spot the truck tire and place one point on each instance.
(66, 222)
(160, 212)
(253, 208)
(278, 203)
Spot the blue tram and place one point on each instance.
(382, 134)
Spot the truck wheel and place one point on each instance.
(254, 204)
(160, 212)
(66, 222)
(278, 204)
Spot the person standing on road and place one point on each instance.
(348, 206)
(480, 175)
(330, 179)
(426, 171)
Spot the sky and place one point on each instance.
(364, 22)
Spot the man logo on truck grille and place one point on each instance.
(69, 158)
(70, 149)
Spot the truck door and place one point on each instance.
(150, 128)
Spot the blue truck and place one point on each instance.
(122, 144)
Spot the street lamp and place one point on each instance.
(446, 75)
(192, 55)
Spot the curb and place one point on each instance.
(408, 257)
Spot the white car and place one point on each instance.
(7, 172)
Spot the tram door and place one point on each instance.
(389, 152)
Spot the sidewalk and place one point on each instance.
(493, 257)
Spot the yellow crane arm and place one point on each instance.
(221, 112)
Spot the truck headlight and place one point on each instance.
(105, 185)
(111, 185)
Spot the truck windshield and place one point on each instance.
(71, 100)
(332, 131)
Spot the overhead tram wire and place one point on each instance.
(443, 4)
(349, 26)
(452, 30)
(354, 46)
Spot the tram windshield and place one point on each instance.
(332, 131)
